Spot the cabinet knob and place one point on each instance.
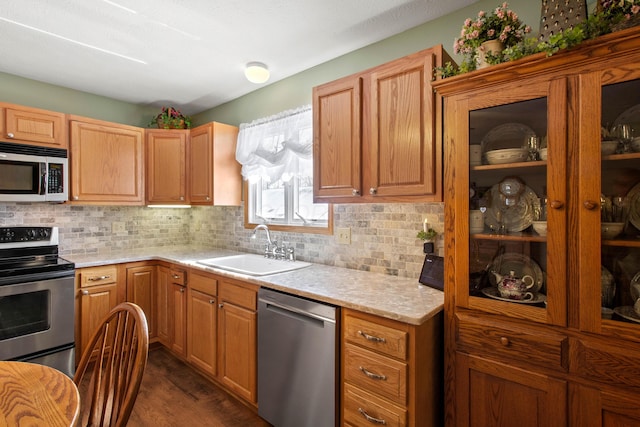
(355, 192)
(220, 305)
(556, 204)
(373, 191)
(85, 292)
(175, 276)
(504, 341)
(76, 198)
(590, 205)
(181, 198)
(212, 301)
(182, 290)
(10, 135)
(208, 198)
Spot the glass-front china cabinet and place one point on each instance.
(542, 213)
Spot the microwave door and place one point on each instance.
(22, 178)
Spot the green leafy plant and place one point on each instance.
(171, 118)
(430, 234)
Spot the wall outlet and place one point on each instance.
(117, 227)
(344, 236)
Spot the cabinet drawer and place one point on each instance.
(390, 341)
(608, 362)
(376, 373)
(363, 409)
(94, 276)
(238, 295)
(519, 343)
(179, 277)
(204, 284)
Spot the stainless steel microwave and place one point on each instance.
(33, 174)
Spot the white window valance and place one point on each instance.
(277, 147)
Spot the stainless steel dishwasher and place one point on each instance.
(297, 360)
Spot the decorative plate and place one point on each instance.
(493, 293)
(633, 198)
(634, 286)
(508, 135)
(515, 218)
(627, 312)
(520, 264)
(506, 155)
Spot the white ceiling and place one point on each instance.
(191, 53)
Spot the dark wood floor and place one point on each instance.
(173, 394)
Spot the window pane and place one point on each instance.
(311, 212)
(271, 204)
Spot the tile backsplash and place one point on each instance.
(382, 235)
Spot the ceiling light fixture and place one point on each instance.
(256, 72)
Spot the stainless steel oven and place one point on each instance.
(36, 299)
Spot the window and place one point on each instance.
(276, 154)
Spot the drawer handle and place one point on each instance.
(370, 418)
(95, 279)
(371, 337)
(504, 341)
(372, 375)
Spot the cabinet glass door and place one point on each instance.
(619, 232)
(516, 202)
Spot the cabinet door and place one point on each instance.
(214, 173)
(34, 126)
(495, 394)
(403, 156)
(166, 166)
(141, 290)
(179, 308)
(164, 329)
(95, 303)
(237, 347)
(604, 408)
(106, 163)
(202, 331)
(337, 139)
(512, 190)
(606, 281)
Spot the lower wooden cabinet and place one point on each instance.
(202, 322)
(391, 371)
(98, 291)
(141, 290)
(237, 338)
(489, 393)
(172, 309)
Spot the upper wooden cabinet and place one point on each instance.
(214, 173)
(568, 347)
(167, 166)
(106, 162)
(377, 134)
(33, 126)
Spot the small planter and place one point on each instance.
(493, 47)
(171, 125)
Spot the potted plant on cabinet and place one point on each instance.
(171, 118)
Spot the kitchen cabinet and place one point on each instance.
(377, 134)
(106, 162)
(141, 290)
(391, 371)
(237, 337)
(568, 347)
(172, 309)
(214, 173)
(98, 293)
(33, 126)
(167, 166)
(202, 322)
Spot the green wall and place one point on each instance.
(286, 94)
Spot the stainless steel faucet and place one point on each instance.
(271, 249)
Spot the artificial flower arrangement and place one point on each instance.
(171, 118)
(609, 16)
(502, 24)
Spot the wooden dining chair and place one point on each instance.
(111, 368)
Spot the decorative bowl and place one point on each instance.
(506, 155)
(610, 230)
(609, 146)
(543, 153)
(540, 227)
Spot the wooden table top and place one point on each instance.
(36, 395)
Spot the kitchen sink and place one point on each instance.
(252, 264)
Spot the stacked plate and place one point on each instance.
(506, 155)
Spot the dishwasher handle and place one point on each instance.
(270, 305)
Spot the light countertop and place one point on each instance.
(397, 298)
